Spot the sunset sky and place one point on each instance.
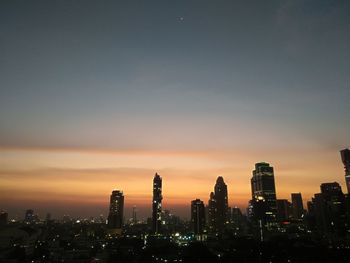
(101, 95)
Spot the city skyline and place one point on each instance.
(220, 188)
(97, 96)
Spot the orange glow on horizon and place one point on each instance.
(71, 178)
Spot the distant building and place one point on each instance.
(211, 212)
(297, 205)
(157, 204)
(197, 217)
(330, 212)
(116, 211)
(29, 216)
(134, 215)
(220, 194)
(264, 193)
(170, 222)
(3, 218)
(238, 221)
(236, 215)
(284, 208)
(345, 157)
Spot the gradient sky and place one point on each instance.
(100, 95)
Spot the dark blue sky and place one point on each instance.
(107, 74)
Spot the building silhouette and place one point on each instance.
(297, 206)
(29, 216)
(3, 218)
(218, 207)
(284, 210)
(197, 218)
(134, 214)
(116, 211)
(345, 157)
(220, 193)
(330, 211)
(264, 193)
(211, 213)
(157, 204)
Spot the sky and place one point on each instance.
(101, 95)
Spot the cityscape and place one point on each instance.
(174, 131)
(214, 233)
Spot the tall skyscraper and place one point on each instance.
(220, 195)
(211, 212)
(297, 206)
(116, 210)
(345, 157)
(264, 192)
(157, 204)
(197, 217)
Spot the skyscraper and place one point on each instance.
(157, 204)
(263, 189)
(345, 157)
(211, 212)
(197, 217)
(116, 210)
(134, 215)
(330, 211)
(220, 193)
(284, 208)
(297, 206)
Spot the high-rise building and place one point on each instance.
(134, 215)
(284, 208)
(330, 211)
(345, 157)
(116, 210)
(157, 204)
(263, 189)
(221, 204)
(297, 206)
(236, 215)
(211, 213)
(197, 217)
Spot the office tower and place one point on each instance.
(297, 206)
(238, 221)
(157, 204)
(29, 216)
(197, 217)
(264, 192)
(236, 215)
(170, 222)
(221, 204)
(116, 211)
(3, 218)
(134, 216)
(211, 213)
(345, 157)
(284, 208)
(329, 209)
